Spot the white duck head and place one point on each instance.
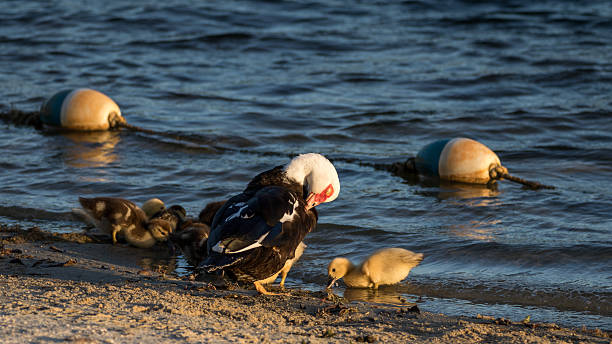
(318, 176)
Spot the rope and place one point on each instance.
(135, 128)
(22, 118)
(196, 140)
(403, 169)
(115, 119)
(497, 172)
(406, 169)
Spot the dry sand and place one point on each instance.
(58, 288)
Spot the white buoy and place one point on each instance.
(459, 160)
(81, 109)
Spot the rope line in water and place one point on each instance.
(400, 168)
(22, 118)
(408, 167)
(143, 130)
(530, 184)
(174, 136)
(499, 172)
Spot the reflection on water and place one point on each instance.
(90, 149)
(387, 295)
(476, 230)
(450, 190)
(158, 263)
(476, 195)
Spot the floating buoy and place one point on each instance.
(84, 109)
(81, 109)
(458, 160)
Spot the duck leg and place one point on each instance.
(260, 288)
(116, 229)
(284, 276)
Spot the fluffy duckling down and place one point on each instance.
(191, 239)
(383, 267)
(166, 221)
(118, 216)
(152, 207)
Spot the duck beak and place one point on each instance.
(331, 282)
(311, 201)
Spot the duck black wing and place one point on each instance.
(246, 227)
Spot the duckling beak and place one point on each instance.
(331, 282)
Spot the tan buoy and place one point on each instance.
(467, 161)
(464, 160)
(81, 109)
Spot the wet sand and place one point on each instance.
(70, 288)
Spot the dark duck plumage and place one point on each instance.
(191, 238)
(254, 233)
(191, 235)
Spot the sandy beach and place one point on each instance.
(69, 288)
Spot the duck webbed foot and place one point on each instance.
(260, 288)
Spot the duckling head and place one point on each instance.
(179, 212)
(160, 229)
(153, 206)
(337, 269)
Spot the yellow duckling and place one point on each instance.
(383, 267)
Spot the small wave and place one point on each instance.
(492, 44)
(23, 213)
(360, 78)
(524, 255)
(226, 37)
(549, 62)
(562, 78)
(502, 292)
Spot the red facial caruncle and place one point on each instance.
(315, 199)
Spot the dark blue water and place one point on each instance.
(254, 83)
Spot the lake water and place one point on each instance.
(252, 83)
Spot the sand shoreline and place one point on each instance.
(67, 288)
